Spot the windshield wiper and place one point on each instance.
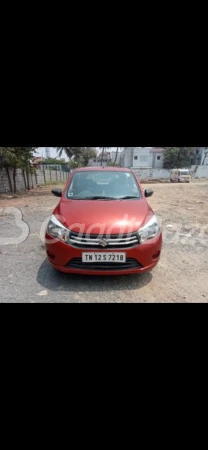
(98, 197)
(128, 197)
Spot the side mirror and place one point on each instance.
(57, 192)
(148, 192)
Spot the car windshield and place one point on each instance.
(106, 185)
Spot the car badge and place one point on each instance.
(103, 242)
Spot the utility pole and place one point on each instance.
(116, 155)
(102, 156)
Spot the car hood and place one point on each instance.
(102, 217)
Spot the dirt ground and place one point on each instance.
(181, 275)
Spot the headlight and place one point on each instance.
(57, 230)
(149, 231)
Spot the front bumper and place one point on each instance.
(141, 258)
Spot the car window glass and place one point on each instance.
(107, 183)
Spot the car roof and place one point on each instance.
(102, 169)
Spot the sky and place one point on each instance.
(41, 151)
(53, 152)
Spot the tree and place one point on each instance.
(103, 151)
(73, 164)
(54, 161)
(16, 157)
(177, 157)
(87, 154)
(70, 151)
(79, 156)
(205, 156)
(6, 158)
(116, 155)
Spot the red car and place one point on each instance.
(103, 225)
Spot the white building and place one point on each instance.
(108, 157)
(143, 157)
(113, 157)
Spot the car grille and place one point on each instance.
(76, 263)
(97, 241)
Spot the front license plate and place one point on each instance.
(104, 257)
